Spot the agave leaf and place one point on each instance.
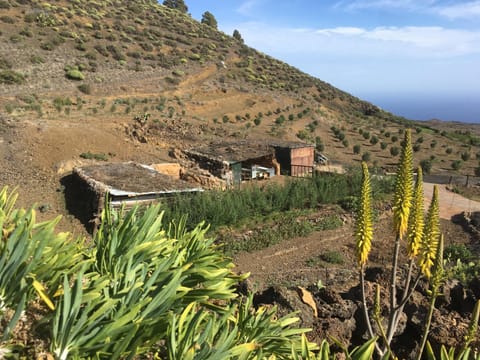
(364, 352)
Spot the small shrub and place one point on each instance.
(11, 77)
(85, 88)
(449, 150)
(94, 156)
(302, 134)
(366, 156)
(383, 145)
(74, 74)
(7, 19)
(332, 257)
(36, 59)
(394, 151)
(373, 140)
(465, 156)
(456, 164)
(426, 165)
(356, 149)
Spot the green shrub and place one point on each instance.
(456, 164)
(94, 156)
(394, 151)
(74, 74)
(7, 19)
(36, 59)
(356, 149)
(426, 165)
(465, 156)
(85, 88)
(11, 77)
(332, 257)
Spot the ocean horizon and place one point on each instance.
(459, 108)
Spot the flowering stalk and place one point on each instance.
(364, 228)
(435, 283)
(430, 238)
(403, 188)
(402, 203)
(364, 236)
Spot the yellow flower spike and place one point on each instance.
(431, 236)
(416, 222)
(364, 227)
(402, 199)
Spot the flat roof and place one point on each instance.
(130, 179)
(233, 151)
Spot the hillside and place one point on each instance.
(76, 76)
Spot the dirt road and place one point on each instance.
(450, 202)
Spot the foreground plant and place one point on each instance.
(32, 259)
(145, 290)
(420, 239)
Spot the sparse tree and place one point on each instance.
(177, 5)
(209, 19)
(237, 36)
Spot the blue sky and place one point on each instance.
(416, 58)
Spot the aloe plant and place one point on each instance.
(422, 247)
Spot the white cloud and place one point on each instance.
(246, 8)
(408, 41)
(450, 10)
(382, 4)
(460, 11)
(357, 60)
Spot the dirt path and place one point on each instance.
(450, 203)
(296, 260)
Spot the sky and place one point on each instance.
(416, 58)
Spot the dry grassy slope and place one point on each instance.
(197, 84)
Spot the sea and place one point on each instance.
(464, 109)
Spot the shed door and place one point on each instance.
(237, 173)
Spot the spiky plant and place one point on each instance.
(434, 291)
(364, 236)
(403, 194)
(421, 244)
(364, 225)
(416, 223)
(431, 236)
